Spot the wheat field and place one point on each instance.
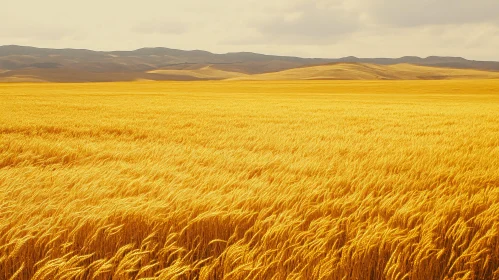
(250, 180)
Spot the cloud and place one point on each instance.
(473, 41)
(313, 28)
(431, 12)
(309, 22)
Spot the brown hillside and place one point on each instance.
(360, 71)
(338, 71)
(206, 73)
(77, 76)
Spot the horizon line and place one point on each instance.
(248, 52)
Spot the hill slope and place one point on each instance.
(361, 71)
(149, 59)
(24, 64)
(81, 76)
(337, 71)
(207, 73)
(142, 60)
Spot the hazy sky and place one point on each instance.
(311, 28)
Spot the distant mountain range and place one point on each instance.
(79, 65)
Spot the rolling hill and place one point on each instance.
(142, 60)
(363, 71)
(80, 76)
(22, 64)
(336, 71)
(207, 72)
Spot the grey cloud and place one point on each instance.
(432, 12)
(327, 28)
(309, 23)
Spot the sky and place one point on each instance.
(307, 28)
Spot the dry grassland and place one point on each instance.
(336, 71)
(367, 71)
(207, 72)
(250, 180)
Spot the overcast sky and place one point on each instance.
(309, 28)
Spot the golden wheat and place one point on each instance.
(250, 180)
